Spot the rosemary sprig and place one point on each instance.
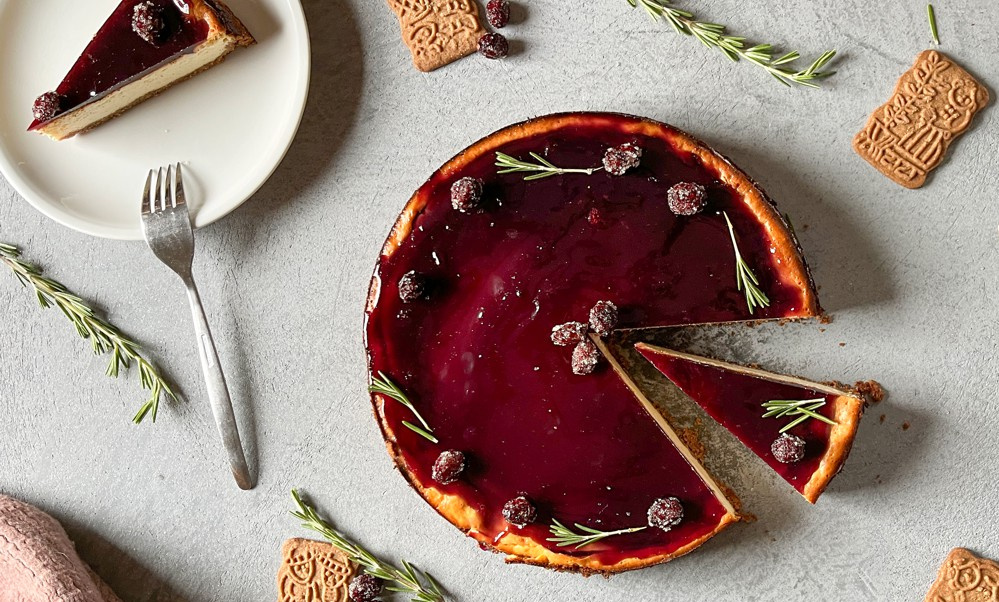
(408, 579)
(542, 169)
(932, 16)
(713, 35)
(564, 536)
(745, 279)
(803, 409)
(104, 337)
(383, 385)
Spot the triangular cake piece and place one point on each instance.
(823, 419)
(143, 48)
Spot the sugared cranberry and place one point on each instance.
(619, 159)
(448, 467)
(466, 194)
(665, 513)
(149, 21)
(46, 106)
(603, 318)
(686, 198)
(494, 46)
(412, 286)
(570, 333)
(498, 13)
(364, 588)
(595, 218)
(788, 448)
(585, 358)
(520, 512)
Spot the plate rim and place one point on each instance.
(24, 188)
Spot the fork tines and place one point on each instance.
(167, 191)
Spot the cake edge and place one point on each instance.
(453, 508)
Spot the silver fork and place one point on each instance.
(166, 224)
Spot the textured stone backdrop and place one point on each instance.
(909, 277)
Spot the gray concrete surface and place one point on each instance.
(908, 276)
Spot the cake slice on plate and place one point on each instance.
(143, 48)
(802, 429)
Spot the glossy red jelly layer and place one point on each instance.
(735, 401)
(477, 359)
(117, 55)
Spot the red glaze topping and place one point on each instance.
(118, 55)
(736, 400)
(479, 362)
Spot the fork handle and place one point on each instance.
(218, 392)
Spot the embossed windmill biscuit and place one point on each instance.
(934, 102)
(313, 571)
(965, 577)
(438, 32)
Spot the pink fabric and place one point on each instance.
(38, 562)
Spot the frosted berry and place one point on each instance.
(520, 512)
(364, 588)
(595, 217)
(46, 106)
(788, 448)
(149, 21)
(585, 358)
(665, 513)
(620, 159)
(494, 46)
(570, 333)
(448, 467)
(412, 286)
(603, 318)
(498, 13)
(466, 194)
(687, 198)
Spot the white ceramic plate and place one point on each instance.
(230, 126)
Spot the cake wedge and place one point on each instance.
(803, 430)
(143, 48)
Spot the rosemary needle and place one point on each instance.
(713, 35)
(104, 337)
(408, 579)
(563, 536)
(383, 385)
(932, 16)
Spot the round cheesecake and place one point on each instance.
(563, 462)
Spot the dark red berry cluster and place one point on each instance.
(687, 198)
(448, 467)
(46, 106)
(495, 45)
(585, 355)
(619, 159)
(520, 512)
(466, 194)
(364, 588)
(665, 513)
(788, 448)
(149, 21)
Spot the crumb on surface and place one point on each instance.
(870, 390)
